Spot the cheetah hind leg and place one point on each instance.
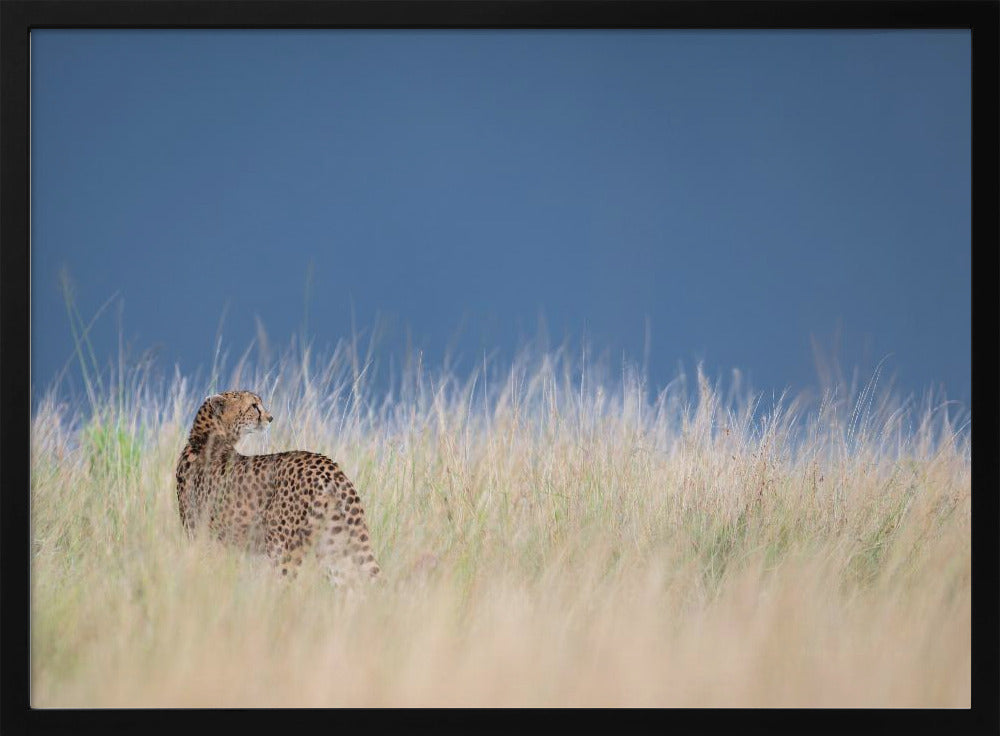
(343, 554)
(287, 556)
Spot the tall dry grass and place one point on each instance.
(549, 536)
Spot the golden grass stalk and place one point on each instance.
(548, 537)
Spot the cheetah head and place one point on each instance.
(233, 413)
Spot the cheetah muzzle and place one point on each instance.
(284, 504)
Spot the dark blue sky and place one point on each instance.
(741, 190)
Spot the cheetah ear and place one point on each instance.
(215, 404)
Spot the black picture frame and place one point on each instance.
(19, 17)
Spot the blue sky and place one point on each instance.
(740, 192)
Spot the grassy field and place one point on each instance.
(548, 536)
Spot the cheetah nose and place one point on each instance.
(270, 419)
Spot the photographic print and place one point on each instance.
(485, 367)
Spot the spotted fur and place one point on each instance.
(284, 504)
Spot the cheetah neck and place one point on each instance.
(209, 432)
(212, 444)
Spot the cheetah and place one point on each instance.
(283, 505)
